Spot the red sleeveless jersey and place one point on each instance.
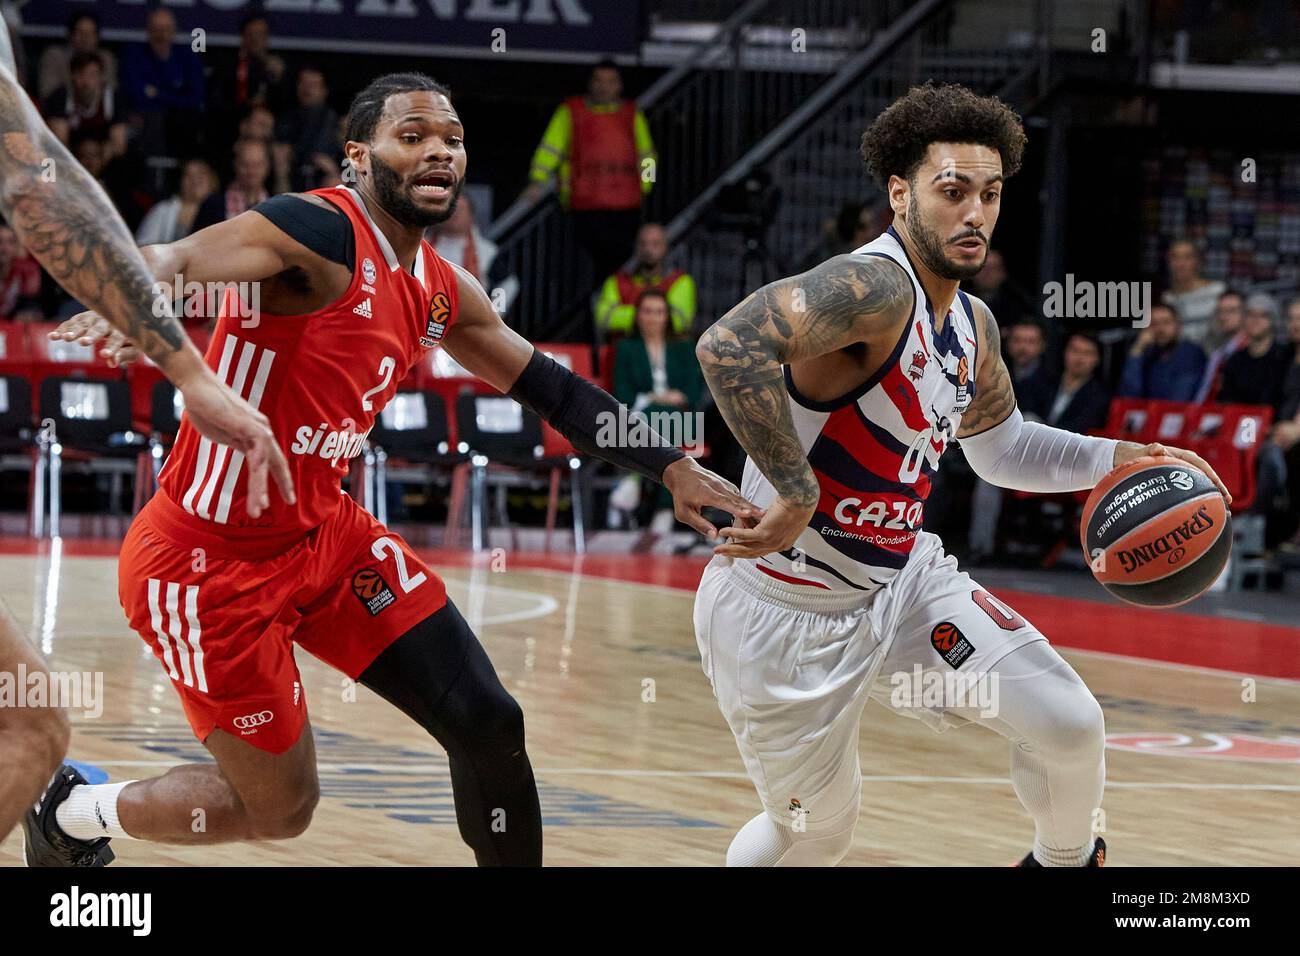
(321, 378)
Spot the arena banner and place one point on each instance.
(561, 29)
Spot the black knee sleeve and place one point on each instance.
(439, 675)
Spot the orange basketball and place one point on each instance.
(1156, 532)
(367, 583)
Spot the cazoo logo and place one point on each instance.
(253, 721)
(906, 515)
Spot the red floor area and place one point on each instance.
(1246, 647)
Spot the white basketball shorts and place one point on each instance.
(792, 667)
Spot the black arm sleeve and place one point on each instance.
(326, 232)
(591, 418)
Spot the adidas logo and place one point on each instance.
(363, 310)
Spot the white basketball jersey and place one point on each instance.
(875, 450)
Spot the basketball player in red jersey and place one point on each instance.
(845, 385)
(72, 229)
(353, 297)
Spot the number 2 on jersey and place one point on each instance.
(387, 365)
(384, 546)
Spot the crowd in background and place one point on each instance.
(150, 115)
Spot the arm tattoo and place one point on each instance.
(995, 398)
(66, 221)
(839, 303)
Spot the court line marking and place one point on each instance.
(548, 605)
(1150, 662)
(1174, 665)
(442, 770)
(542, 605)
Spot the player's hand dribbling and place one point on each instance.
(87, 328)
(778, 530)
(1127, 451)
(222, 416)
(694, 488)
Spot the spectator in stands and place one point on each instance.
(1286, 428)
(459, 240)
(1009, 303)
(1034, 395)
(307, 136)
(87, 107)
(249, 187)
(655, 372)
(1254, 375)
(1161, 363)
(849, 230)
(165, 87)
(53, 68)
(1080, 402)
(173, 218)
(596, 148)
(259, 124)
(257, 76)
(1290, 406)
(114, 175)
(1025, 347)
(616, 305)
(20, 280)
(1193, 297)
(1229, 316)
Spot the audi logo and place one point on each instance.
(254, 720)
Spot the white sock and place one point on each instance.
(90, 812)
(1052, 856)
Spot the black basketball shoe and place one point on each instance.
(1097, 858)
(44, 844)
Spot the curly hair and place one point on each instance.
(896, 142)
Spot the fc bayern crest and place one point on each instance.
(368, 270)
(439, 315)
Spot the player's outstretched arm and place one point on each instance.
(845, 300)
(248, 248)
(1005, 450)
(66, 221)
(580, 411)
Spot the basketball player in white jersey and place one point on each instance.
(844, 385)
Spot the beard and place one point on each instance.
(398, 203)
(930, 246)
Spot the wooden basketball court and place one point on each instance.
(635, 765)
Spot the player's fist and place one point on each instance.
(778, 530)
(88, 328)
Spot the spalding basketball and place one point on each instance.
(1156, 532)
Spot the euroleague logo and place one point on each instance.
(951, 643)
(439, 313)
(372, 590)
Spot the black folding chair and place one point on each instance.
(89, 422)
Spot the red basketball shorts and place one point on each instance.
(222, 618)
